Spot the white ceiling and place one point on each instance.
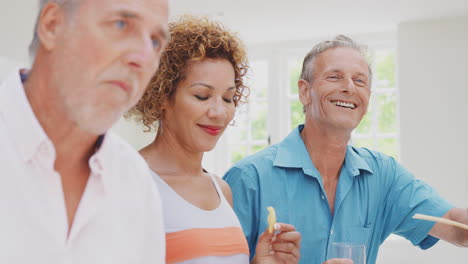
(259, 21)
(267, 20)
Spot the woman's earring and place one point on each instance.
(232, 123)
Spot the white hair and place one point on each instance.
(339, 41)
(68, 5)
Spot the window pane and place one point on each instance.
(257, 148)
(297, 113)
(250, 119)
(258, 82)
(259, 125)
(294, 70)
(385, 69)
(365, 127)
(364, 142)
(388, 146)
(387, 114)
(237, 153)
(237, 132)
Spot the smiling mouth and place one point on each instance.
(344, 104)
(212, 130)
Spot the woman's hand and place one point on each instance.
(278, 248)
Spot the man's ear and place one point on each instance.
(304, 91)
(50, 23)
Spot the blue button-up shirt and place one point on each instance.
(375, 197)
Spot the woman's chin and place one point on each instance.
(207, 147)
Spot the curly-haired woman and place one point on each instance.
(190, 101)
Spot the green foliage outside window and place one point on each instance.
(385, 70)
(296, 110)
(294, 74)
(388, 146)
(257, 148)
(365, 127)
(387, 113)
(259, 123)
(255, 117)
(364, 142)
(238, 153)
(297, 113)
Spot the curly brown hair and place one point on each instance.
(191, 39)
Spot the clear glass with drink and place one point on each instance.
(355, 252)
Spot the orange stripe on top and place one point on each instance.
(202, 242)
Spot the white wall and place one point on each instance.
(16, 25)
(133, 133)
(433, 71)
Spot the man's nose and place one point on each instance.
(349, 86)
(142, 55)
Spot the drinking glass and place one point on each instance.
(355, 252)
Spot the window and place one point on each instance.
(296, 116)
(249, 133)
(379, 128)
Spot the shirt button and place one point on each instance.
(331, 232)
(323, 197)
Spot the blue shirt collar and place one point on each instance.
(354, 163)
(292, 153)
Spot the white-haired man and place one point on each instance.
(331, 191)
(71, 191)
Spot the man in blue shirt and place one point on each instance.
(330, 191)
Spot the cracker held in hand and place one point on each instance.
(271, 219)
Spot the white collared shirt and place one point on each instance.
(119, 217)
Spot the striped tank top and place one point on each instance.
(196, 236)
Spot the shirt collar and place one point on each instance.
(19, 117)
(27, 132)
(292, 153)
(100, 162)
(354, 163)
